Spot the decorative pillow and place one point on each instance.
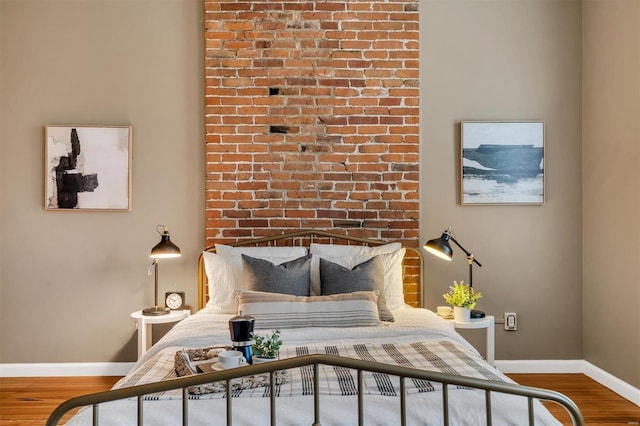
(225, 276)
(289, 277)
(275, 310)
(391, 254)
(346, 261)
(367, 276)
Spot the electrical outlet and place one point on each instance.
(510, 321)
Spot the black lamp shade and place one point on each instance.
(440, 247)
(165, 248)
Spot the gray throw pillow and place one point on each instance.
(367, 276)
(288, 278)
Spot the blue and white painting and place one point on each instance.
(502, 162)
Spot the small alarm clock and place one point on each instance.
(174, 300)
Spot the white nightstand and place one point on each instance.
(488, 323)
(144, 324)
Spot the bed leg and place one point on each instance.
(531, 416)
(272, 394)
(360, 400)
(316, 395)
(445, 404)
(403, 403)
(487, 402)
(95, 414)
(185, 407)
(140, 411)
(229, 413)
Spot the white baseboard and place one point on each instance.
(541, 366)
(620, 387)
(66, 369)
(506, 366)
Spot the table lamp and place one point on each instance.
(440, 247)
(165, 249)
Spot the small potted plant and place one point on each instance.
(463, 298)
(265, 348)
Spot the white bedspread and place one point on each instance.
(467, 407)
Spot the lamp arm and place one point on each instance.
(470, 256)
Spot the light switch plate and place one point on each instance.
(510, 321)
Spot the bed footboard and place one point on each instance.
(490, 387)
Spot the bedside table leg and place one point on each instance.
(149, 341)
(144, 338)
(491, 345)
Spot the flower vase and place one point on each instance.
(461, 314)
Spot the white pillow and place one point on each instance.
(225, 275)
(352, 250)
(222, 282)
(261, 252)
(391, 255)
(276, 310)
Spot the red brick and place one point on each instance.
(341, 35)
(285, 223)
(373, 167)
(314, 204)
(395, 7)
(236, 233)
(365, 196)
(217, 35)
(334, 195)
(236, 214)
(330, 6)
(270, 212)
(316, 224)
(333, 214)
(389, 26)
(348, 205)
(363, 214)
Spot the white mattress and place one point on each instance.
(466, 407)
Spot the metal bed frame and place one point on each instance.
(412, 277)
(404, 373)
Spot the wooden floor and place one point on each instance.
(29, 401)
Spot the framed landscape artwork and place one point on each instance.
(87, 168)
(502, 162)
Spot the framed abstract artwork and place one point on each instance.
(502, 162)
(87, 168)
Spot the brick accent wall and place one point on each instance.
(311, 118)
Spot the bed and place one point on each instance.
(357, 347)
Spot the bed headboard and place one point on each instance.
(411, 266)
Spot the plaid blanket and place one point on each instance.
(434, 355)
